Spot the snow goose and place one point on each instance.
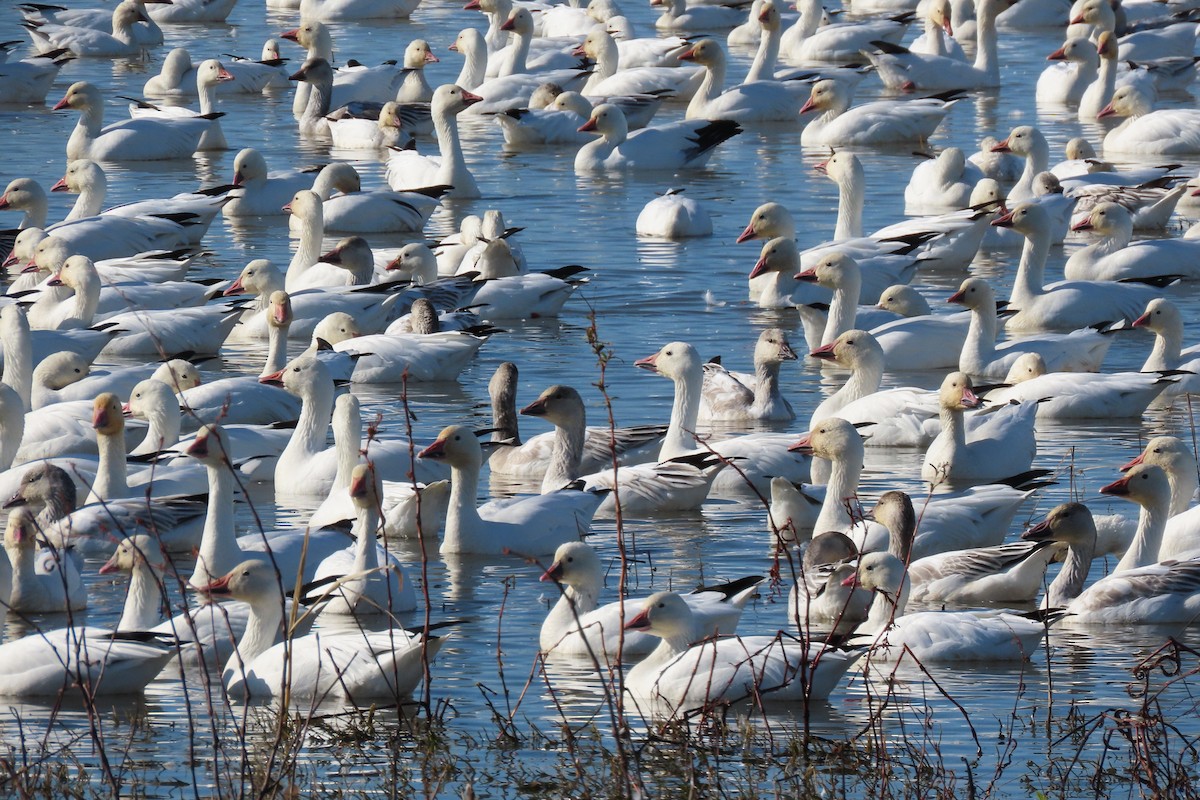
(339, 10)
(470, 43)
(531, 458)
(350, 83)
(374, 582)
(354, 666)
(516, 59)
(578, 625)
(671, 215)
(840, 273)
(1082, 350)
(678, 145)
(366, 127)
(318, 74)
(942, 183)
(16, 344)
(177, 76)
(995, 451)
(420, 356)
(677, 16)
(809, 41)
(209, 75)
(935, 636)
(27, 81)
(650, 51)
(1067, 395)
(675, 484)
(1174, 40)
(262, 193)
(938, 36)
(557, 124)
(157, 332)
(999, 165)
(1029, 143)
(306, 465)
(408, 170)
(762, 455)
(1163, 318)
(1150, 204)
(1146, 131)
(1006, 573)
(127, 140)
(192, 212)
(1064, 305)
(763, 100)
(348, 265)
(415, 87)
(858, 351)
(683, 674)
(727, 395)
(1100, 91)
(1115, 257)
(922, 341)
(120, 41)
(611, 77)
(513, 91)
(353, 210)
(1064, 82)
(54, 589)
(870, 124)
(527, 525)
(1181, 537)
(900, 68)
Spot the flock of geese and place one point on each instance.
(143, 464)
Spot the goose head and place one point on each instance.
(1168, 452)
(302, 377)
(305, 205)
(676, 360)
(853, 349)
(1022, 141)
(352, 254)
(310, 35)
(1027, 367)
(20, 534)
(178, 374)
(1161, 316)
(457, 446)
(22, 193)
(210, 446)
(938, 12)
(974, 293)
(248, 165)
(253, 581)
(879, 572)
(894, 510)
(270, 51)
(988, 193)
(107, 416)
(1098, 13)
(415, 262)
(49, 255)
(573, 102)
(468, 42)
(575, 564)
(24, 244)
(768, 16)
(520, 22)
(211, 72)
(560, 405)
(1107, 46)
(315, 71)
(706, 53)
(1079, 149)
(773, 347)
(132, 552)
(955, 393)
(845, 169)
(418, 54)
(829, 547)
(364, 487)
(1069, 523)
(59, 370)
(77, 272)
(606, 120)
(1129, 100)
(80, 96)
(1106, 219)
(903, 300)
(1078, 50)
(827, 95)
(336, 327)
(778, 255)
(42, 484)
(13, 323)
(1145, 484)
(835, 270)
(602, 10)
(770, 220)
(81, 174)
(597, 44)
(257, 277)
(664, 614)
(1027, 219)
(449, 99)
(545, 95)
(148, 398)
(832, 439)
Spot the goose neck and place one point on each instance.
(1031, 270)
(1184, 483)
(766, 386)
(518, 62)
(37, 209)
(810, 17)
(987, 58)
(219, 549)
(572, 602)
(263, 629)
(87, 300)
(347, 438)
(710, 89)
(844, 474)
(164, 423)
(980, 344)
(111, 481)
(685, 410)
(89, 126)
(1165, 352)
(316, 414)
(843, 309)
(886, 608)
(142, 602)
(766, 57)
(566, 457)
(277, 341)
(1068, 584)
(1143, 550)
(308, 248)
(462, 516)
(366, 553)
(445, 126)
(18, 361)
(89, 203)
(474, 68)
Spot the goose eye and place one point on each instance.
(571, 560)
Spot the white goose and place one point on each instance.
(353, 210)
(1146, 131)
(1181, 537)
(901, 69)
(418, 356)
(761, 100)
(671, 215)
(993, 452)
(1064, 82)
(56, 587)
(677, 16)
(408, 170)
(578, 625)
(120, 41)
(870, 124)
(1100, 91)
(367, 127)
(728, 396)
(557, 124)
(210, 74)
(1163, 318)
(681, 676)
(1005, 573)
(29, 80)
(678, 145)
(982, 357)
(1072, 395)
(177, 76)
(354, 666)
(262, 193)
(611, 76)
(527, 525)
(1064, 305)
(809, 41)
(936, 636)
(942, 183)
(1115, 257)
(127, 140)
(355, 83)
